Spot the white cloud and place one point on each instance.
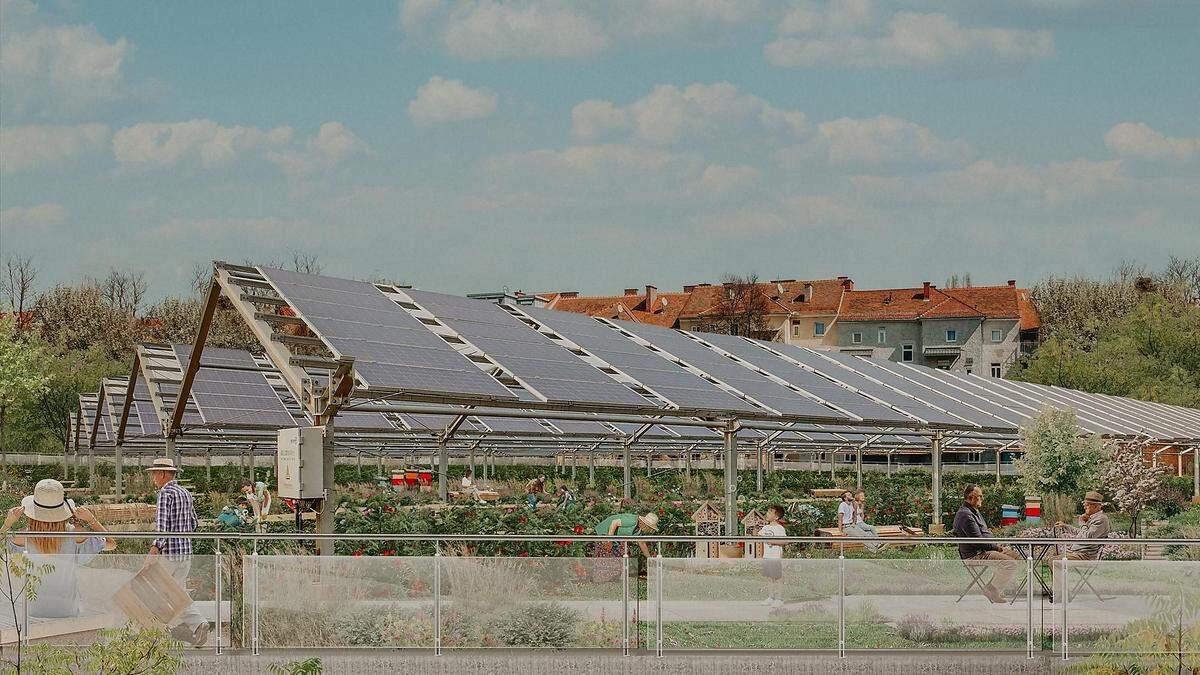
(669, 115)
(39, 147)
(167, 144)
(801, 211)
(855, 33)
(33, 216)
(1135, 140)
(209, 145)
(55, 71)
(582, 161)
(719, 180)
(488, 30)
(877, 143)
(441, 100)
(564, 29)
(986, 181)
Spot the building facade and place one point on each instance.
(981, 329)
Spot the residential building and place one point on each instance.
(802, 312)
(976, 329)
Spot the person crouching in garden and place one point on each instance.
(607, 564)
(1093, 524)
(773, 555)
(534, 489)
(48, 510)
(969, 522)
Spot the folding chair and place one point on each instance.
(1085, 580)
(976, 570)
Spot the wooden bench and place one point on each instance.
(885, 532)
(827, 493)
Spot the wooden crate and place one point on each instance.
(123, 512)
(827, 493)
(152, 598)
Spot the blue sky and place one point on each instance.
(468, 145)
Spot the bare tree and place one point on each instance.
(955, 281)
(19, 277)
(124, 290)
(741, 310)
(201, 277)
(1180, 280)
(305, 263)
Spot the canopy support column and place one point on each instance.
(325, 516)
(208, 467)
(380, 463)
(936, 447)
(758, 468)
(858, 453)
(574, 462)
(119, 469)
(731, 477)
(592, 467)
(627, 483)
(471, 461)
(889, 463)
(687, 461)
(443, 471)
(998, 453)
(1196, 474)
(649, 461)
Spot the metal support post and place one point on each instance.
(1064, 600)
(1029, 581)
(437, 599)
(471, 461)
(208, 467)
(658, 600)
(758, 468)
(998, 453)
(1195, 474)
(358, 465)
(936, 447)
(380, 464)
(443, 471)
(325, 516)
(627, 489)
(649, 461)
(217, 595)
(731, 478)
(625, 600)
(841, 634)
(592, 467)
(858, 468)
(687, 462)
(119, 469)
(91, 466)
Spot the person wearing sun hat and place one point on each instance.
(176, 513)
(1093, 524)
(619, 525)
(48, 510)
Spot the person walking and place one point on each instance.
(176, 513)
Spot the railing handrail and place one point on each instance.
(519, 538)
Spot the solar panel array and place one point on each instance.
(671, 381)
(530, 356)
(242, 398)
(391, 349)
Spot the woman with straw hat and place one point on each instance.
(48, 510)
(605, 567)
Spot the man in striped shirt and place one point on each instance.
(176, 513)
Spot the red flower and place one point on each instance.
(388, 552)
(357, 553)
(523, 554)
(562, 542)
(578, 529)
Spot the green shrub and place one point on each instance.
(540, 625)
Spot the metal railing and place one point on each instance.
(853, 583)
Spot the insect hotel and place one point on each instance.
(707, 520)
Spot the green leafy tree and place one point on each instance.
(21, 378)
(1059, 458)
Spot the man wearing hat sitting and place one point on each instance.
(176, 513)
(1093, 524)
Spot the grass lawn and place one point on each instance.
(801, 635)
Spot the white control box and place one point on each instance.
(299, 461)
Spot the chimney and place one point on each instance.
(927, 291)
(688, 288)
(631, 291)
(847, 283)
(569, 294)
(808, 291)
(1012, 282)
(651, 299)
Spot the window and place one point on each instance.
(997, 336)
(906, 353)
(818, 328)
(995, 370)
(856, 338)
(795, 330)
(951, 336)
(882, 335)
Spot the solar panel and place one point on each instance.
(1085, 410)
(736, 375)
(391, 349)
(234, 397)
(530, 356)
(829, 374)
(918, 384)
(669, 380)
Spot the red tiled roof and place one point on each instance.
(782, 297)
(664, 311)
(992, 302)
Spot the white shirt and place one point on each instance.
(846, 515)
(772, 530)
(466, 482)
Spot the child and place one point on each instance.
(773, 555)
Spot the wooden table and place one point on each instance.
(885, 532)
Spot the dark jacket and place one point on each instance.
(969, 523)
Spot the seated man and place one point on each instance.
(852, 519)
(1093, 524)
(969, 522)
